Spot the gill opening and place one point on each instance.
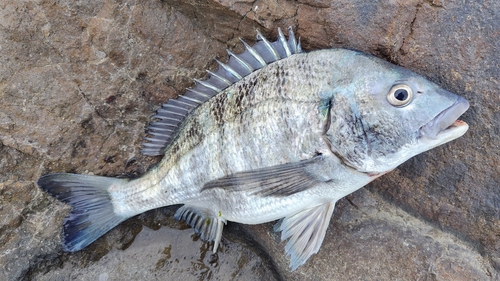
(326, 139)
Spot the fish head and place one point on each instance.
(382, 114)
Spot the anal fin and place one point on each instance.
(207, 226)
(306, 230)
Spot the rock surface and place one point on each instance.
(78, 82)
(166, 254)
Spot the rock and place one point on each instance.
(78, 82)
(166, 254)
(370, 239)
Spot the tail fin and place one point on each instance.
(92, 215)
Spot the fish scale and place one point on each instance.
(274, 133)
(254, 110)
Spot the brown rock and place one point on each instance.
(369, 239)
(78, 82)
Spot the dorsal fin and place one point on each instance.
(171, 114)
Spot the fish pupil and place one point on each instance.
(401, 94)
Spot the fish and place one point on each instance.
(274, 134)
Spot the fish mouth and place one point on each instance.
(445, 126)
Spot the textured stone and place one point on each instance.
(78, 81)
(166, 254)
(370, 239)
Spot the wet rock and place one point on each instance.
(78, 82)
(369, 239)
(166, 254)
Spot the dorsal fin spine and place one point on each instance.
(153, 140)
(163, 114)
(224, 80)
(168, 118)
(282, 39)
(162, 124)
(229, 70)
(159, 134)
(240, 61)
(292, 42)
(174, 109)
(167, 122)
(191, 99)
(268, 45)
(207, 85)
(152, 144)
(202, 91)
(176, 103)
(174, 112)
(180, 100)
(254, 53)
(166, 111)
(162, 129)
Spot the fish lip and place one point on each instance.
(446, 122)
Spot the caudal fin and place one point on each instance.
(92, 215)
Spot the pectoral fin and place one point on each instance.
(280, 180)
(306, 231)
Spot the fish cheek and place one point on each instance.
(389, 132)
(363, 132)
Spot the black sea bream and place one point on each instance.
(275, 133)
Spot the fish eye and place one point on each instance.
(400, 95)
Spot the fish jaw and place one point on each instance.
(445, 126)
(442, 125)
(440, 129)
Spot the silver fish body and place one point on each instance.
(286, 140)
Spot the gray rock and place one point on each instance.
(78, 82)
(370, 239)
(166, 254)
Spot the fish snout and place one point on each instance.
(446, 120)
